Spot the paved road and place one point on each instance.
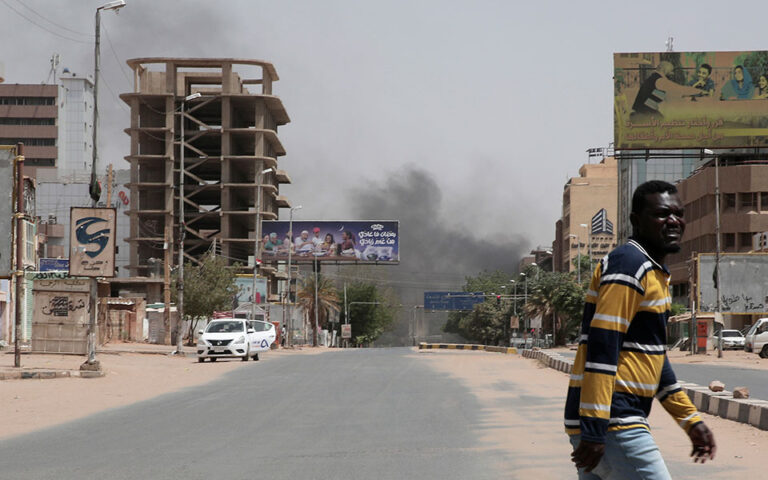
(378, 414)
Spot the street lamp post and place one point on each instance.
(589, 244)
(718, 310)
(257, 241)
(93, 189)
(290, 248)
(182, 229)
(578, 256)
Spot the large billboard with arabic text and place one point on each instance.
(331, 241)
(671, 100)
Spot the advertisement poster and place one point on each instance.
(7, 155)
(245, 289)
(331, 241)
(672, 100)
(92, 234)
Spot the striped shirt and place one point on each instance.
(621, 363)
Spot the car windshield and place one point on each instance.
(731, 333)
(225, 326)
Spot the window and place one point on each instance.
(729, 201)
(27, 121)
(27, 101)
(729, 241)
(748, 202)
(745, 241)
(764, 201)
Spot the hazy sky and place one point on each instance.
(492, 103)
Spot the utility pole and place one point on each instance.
(19, 274)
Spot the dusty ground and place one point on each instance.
(536, 432)
(31, 404)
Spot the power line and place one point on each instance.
(54, 23)
(41, 26)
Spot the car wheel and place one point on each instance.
(764, 351)
(200, 359)
(247, 355)
(213, 359)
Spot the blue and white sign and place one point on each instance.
(452, 300)
(54, 265)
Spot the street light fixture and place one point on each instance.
(290, 245)
(94, 190)
(182, 227)
(257, 240)
(578, 256)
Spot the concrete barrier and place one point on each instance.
(722, 404)
(460, 346)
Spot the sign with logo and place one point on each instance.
(346, 330)
(92, 242)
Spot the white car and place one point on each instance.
(234, 337)
(731, 339)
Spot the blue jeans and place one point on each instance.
(629, 455)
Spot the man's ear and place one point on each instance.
(633, 220)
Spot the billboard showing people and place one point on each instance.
(331, 241)
(690, 100)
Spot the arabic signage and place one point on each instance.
(92, 242)
(6, 209)
(743, 283)
(690, 100)
(452, 300)
(346, 330)
(330, 241)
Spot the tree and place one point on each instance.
(371, 311)
(208, 286)
(487, 322)
(327, 301)
(558, 297)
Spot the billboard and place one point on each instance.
(743, 283)
(331, 241)
(671, 100)
(245, 287)
(452, 300)
(6, 209)
(92, 234)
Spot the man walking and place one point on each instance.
(621, 363)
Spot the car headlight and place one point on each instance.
(201, 341)
(241, 339)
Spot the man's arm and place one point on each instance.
(679, 406)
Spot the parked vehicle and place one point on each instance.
(234, 337)
(732, 339)
(757, 338)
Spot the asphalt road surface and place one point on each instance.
(352, 414)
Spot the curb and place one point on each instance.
(460, 346)
(720, 404)
(48, 374)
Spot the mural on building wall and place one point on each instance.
(690, 100)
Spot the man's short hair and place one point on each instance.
(648, 188)
(707, 66)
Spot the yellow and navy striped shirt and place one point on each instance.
(621, 363)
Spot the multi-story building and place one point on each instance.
(230, 139)
(28, 114)
(589, 210)
(743, 213)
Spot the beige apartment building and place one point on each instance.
(586, 227)
(743, 213)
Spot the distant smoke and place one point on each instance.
(433, 241)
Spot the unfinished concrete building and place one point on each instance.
(226, 139)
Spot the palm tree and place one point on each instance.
(327, 300)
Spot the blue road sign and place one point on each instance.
(452, 300)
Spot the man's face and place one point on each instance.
(703, 73)
(660, 225)
(304, 235)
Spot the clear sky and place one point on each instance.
(488, 105)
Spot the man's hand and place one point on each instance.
(703, 443)
(588, 454)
